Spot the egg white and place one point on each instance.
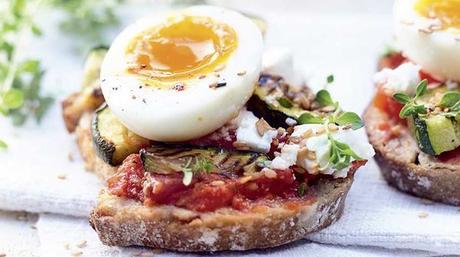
(437, 51)
(169, 115)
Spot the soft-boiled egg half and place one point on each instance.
(428, 32)
(184, 74)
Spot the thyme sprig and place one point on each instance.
(323, 97)
(20, 93)
(200, 165)
(411, 106)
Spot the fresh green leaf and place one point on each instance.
(349, 118)
(450, 99)
(308, 118)
(31, 66)
(302, 188)
(3, 145)
(323, 97)
(13, 99)
(36, 30)
(402, 98)
(341, 154)
(421, 88)
(406, 111)
(285, 102)
(330, 79)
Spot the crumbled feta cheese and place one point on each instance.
(279, 61)
(451, 85)
(291, 122)
(287, 158)
(316, 140)
(247, 134)
(405, 78)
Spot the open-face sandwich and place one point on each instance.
(413, 121)
(205, 150)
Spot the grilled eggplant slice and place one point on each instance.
(113, 141)
(90, 97)
(167, 159)
(275, 101)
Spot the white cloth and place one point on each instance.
(375, 214)
(56, 232)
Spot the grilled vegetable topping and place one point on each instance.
(113, 141)
(276, 101)
(433, 116)
(167, 159)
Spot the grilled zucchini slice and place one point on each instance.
(92, 67)
(272, 103)
(167, 159)
(113, 141)
(436, 134)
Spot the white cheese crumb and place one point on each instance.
(287, 158)
(451, 85)
(291, 122)
(247, 133)
(405, 78)
(319, 143)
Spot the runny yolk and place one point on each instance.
(183, 47)
(447, 11)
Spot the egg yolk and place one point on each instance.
(183, 47)
(448, 11)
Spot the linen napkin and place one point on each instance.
(41, 171)
(64, 236)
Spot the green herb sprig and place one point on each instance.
(20, 93)
(411, 107)
(323, 97)
(451, 101)
(200, 165)
(87, 20)
(341, 155)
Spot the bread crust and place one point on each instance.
(125, 222)
(406, 168)
(88, 151)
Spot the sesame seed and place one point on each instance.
(62, 176)
(202, 77)
(241, 73)
(423, 215)
(245, 179)
(218, 183)
(81, 244)
(269, 173)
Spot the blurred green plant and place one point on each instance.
(20, 95)
(87, 20)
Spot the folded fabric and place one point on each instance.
(61, 236)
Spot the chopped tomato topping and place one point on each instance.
(428, 77)
(209, 192)
(452, 157)
(387, 104)
(392, 61)
(129, 182)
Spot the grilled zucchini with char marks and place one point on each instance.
(113, 141)
(276, 101)
(167, 159)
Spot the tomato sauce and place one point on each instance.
(387, 104)
(209, 192)
(452, 157)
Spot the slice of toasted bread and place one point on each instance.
(88, 151)
(405, 167)
(125, 222)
